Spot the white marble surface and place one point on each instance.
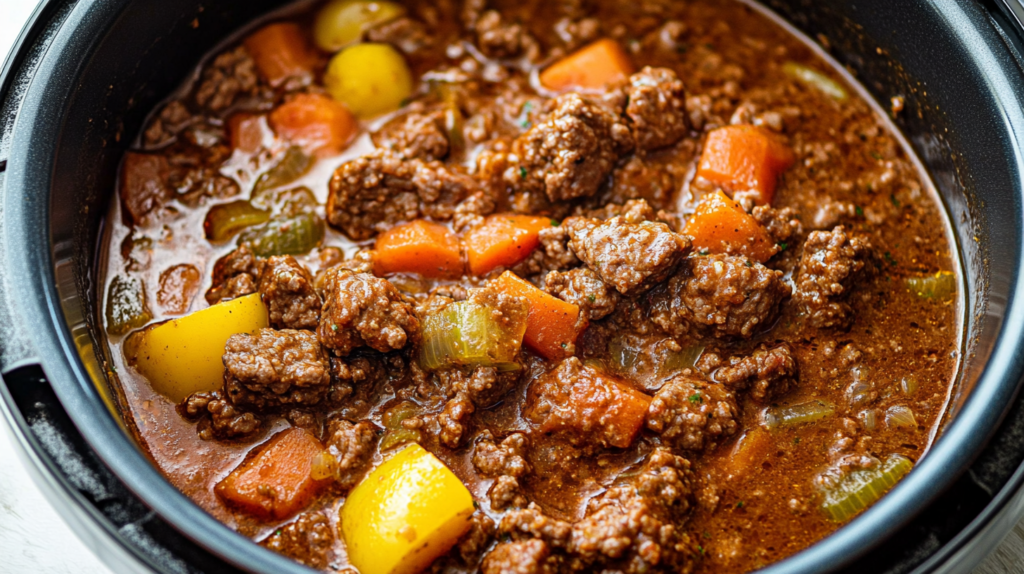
(33, 537)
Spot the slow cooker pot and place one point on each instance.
(76, 88)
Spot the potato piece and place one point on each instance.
(405, 514)
(183, 356)
(342, 22)
(371, 79)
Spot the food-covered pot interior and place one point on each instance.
(776, 344)
(494, 285)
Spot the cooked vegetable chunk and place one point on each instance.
(343, 22)
(281, 51)
(127, 308)
(591, 67)
(406, 513)
(552, 325)
(429, 249)
(503, 240)
(802, 413)
(745, 158)
(475, 333)
(296, 235)
(225, 220)
(941, 286)
(183, 356)
(816, 80)
(862, 488)
(721, 226)
(275, 483)
(315, 122)
(371, 79)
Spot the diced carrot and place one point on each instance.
(591, 67)
(503, 240)
(594, 407)
(745, 158)
(749, 452)
(423, 247)
(316, 122)
(245, 131)
(277, 482)
(281, 51)
(551, 323)
(719, 225)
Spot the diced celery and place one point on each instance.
(941, 286)
(225, 220)
(793, 415)
(469, 334)
(126, 305)
(394, 433)
(293, 165)
(296, 235)
(816, 80)
(862, 488)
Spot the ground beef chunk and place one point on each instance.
(720, 295)
(692, 413)
(531, 522)
(415, 135)
(308, 539)
(768, 372)
(523, 557)
(275, 369)
(172, 119)
(352, 447)
(406, 34)
(656, 108)
(363, 310)
(582, 405)
(499, 39)
(230, 74)
(287, 289)
(782, 224)
(234, 275)
(583, 288)
(630, 256)
(634, 528)
(472, 544)
(218, 419)
(571, 152)
(453, 420)
(374, 192)
(552, 254)
(831, 265)
(506, 463)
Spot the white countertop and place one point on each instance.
(34, 538)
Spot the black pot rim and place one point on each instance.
(31, 262)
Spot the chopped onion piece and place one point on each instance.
(869, 418)
(862, 488)
(469, 334)
(941, 286)
(324, 466)
(900, 416)
(292, 166)
(908, 384)
(811, 411)
(816, 80)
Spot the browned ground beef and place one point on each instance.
(692, 413)
(831, 264)
(572, 151)
(234, 275)
(274, 369)
(415, 135)
(374, 192)
(585, 289)
(722, 295)
(782, 224)
(308, 539)
(218, 419)
(287, 289)
(531, 522)
(767, 372)
(656, 108)
(228, 76)
(363, 310)
(522, 557)
(500, 39)
(506, 464)
(352, 446)
(631, 256)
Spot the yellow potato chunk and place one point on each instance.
(342, 22)
(405, 514)
(183, 356)
(371, 79)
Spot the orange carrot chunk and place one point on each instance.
(423, 247)
(316, 122)
(281, 51)
(503, 240)
(245, 131)
(719, 225)
(591, 67)
(745, 158)
(276, 482)
(551, 328)
(747, 454)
